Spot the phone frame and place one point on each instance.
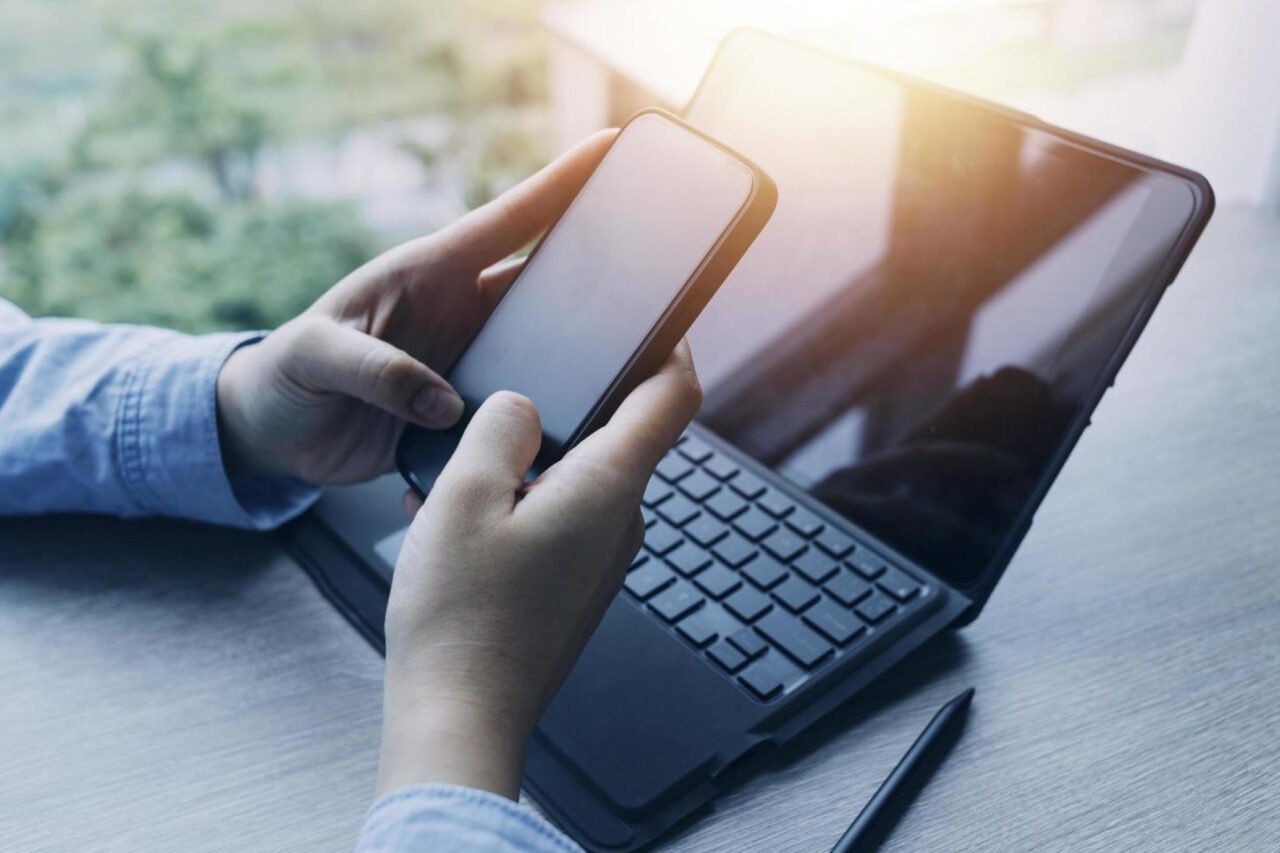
(422, 453)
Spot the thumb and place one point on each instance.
(495, 452)
(330, 357)
(495, 230)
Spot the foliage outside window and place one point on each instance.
(134, 182)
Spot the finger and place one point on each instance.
(331, 357)
(650, 419)
(497, 279)
(491, 232)
(496, 450)
(411, 503)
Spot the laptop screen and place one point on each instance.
(915, 335)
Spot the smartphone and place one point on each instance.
(611, 288)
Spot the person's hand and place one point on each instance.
(501, 583)
(326, 396)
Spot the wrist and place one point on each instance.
(445, 740)
(239, 457)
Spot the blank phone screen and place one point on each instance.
(589, 296)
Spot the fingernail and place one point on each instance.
(437, 407)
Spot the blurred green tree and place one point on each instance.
(172, 105)
(114, 251)
(171, 260)
(152, 213)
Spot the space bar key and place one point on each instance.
(797, 641)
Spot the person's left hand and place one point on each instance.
(325, 397)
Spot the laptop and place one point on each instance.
(894, 374)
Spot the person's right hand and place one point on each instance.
(501, 583)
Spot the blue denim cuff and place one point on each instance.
(457, 818)
(167, 440)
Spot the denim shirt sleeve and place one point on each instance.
(122, 420)
(457, 819)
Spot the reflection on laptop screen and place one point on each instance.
(913, 334)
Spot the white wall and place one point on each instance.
(1225, 120)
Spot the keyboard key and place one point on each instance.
(847, 588)
(748, 485)
(834, 622)
(815, 565)
(718, 582)
(834, 542)
(720, 467)
(656, 492)
(764, 571)
(697, 630)
(782, 669)
(805, 523)
(775, 503)
(699, 485)
(867, 564)
(898, 585)
(876, 607)
(726, 505)
(762, 683)
(705, 530)
(747, 604)
(674, 467)
(640, 559)
(727, 657)
(795, 594)
(754, 524)
(749, 642)
(694, 449)
(794, 639)
(721, 620)
(784, 544)
(734, 550)
(678, 510)
(689, 561)
(676, 602)
(661, 539)
(645, 581)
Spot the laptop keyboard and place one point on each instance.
(763, 589)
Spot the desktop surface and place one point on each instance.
(170, 686)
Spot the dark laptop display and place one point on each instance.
(916, 332)
(894, 374)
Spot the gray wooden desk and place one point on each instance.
(170, 687)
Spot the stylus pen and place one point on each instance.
(895, 794)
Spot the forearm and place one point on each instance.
(449, 774)
(120, 420)
(433, 740)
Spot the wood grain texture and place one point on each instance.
(172, 687)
